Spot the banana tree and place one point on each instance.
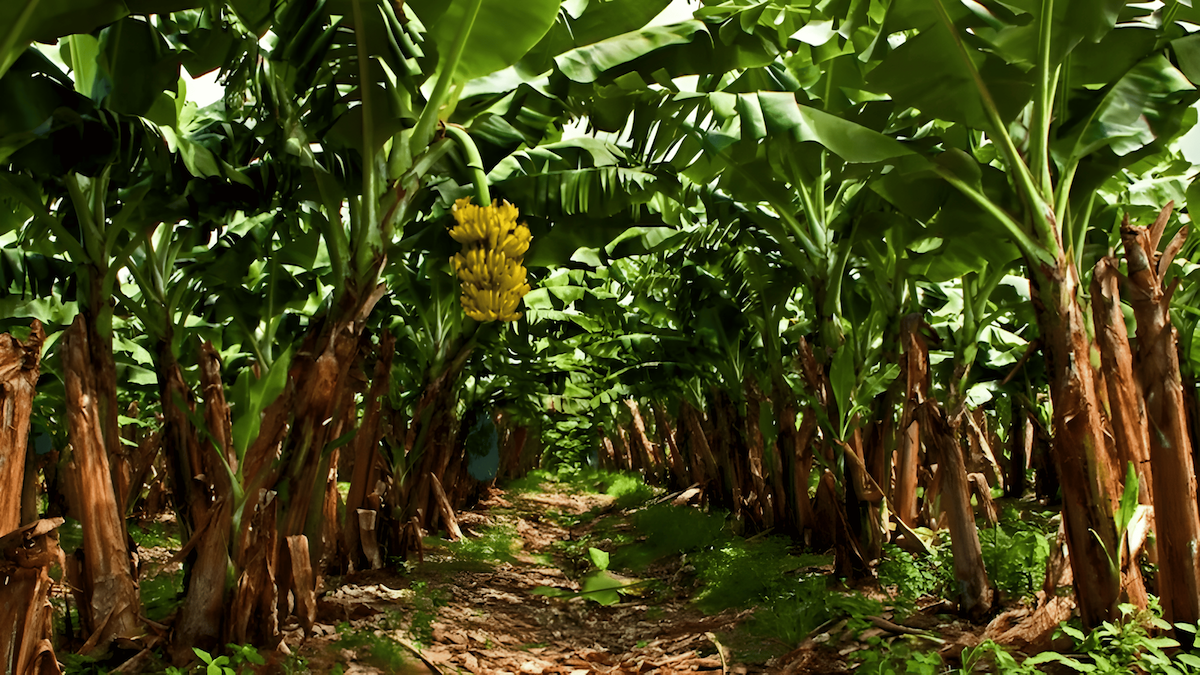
(1019, 84)
(84, 207)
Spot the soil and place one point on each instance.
(485, 617)
(449, 615)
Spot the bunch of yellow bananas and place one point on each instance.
(489, 266)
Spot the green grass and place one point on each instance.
(161, 594)
(379, 650)
(155, 534)
(627, 488)
(496, 544)
(1016, 550)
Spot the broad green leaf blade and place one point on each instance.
(599, 21)
(660, 53)
(782, 114)
(503, 32)
(599, 558)
(928, 72)
(842, 378)
(588, 63)
(138, 66)
(601, 587)
(1141, 107)
(251, 397)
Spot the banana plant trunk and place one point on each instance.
(26, 554)
(429, 442)
(1127, 411)
(20, 365)
(683, 474)
(110, 591)
(358, 531)
(974, 590)
(278, 544)
(1176, 518)
(914, 366)
(206, 458)
(1079, 440)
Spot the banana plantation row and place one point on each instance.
(864, 262)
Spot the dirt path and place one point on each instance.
(461, 612)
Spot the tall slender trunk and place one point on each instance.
(365, 451)
(20, 365)
(697, 441)
(1020, 447)
(974, 591)
(655, 464)
(26, 554)
(754, 459)
(1176, 518)
(1079, 441)
(112, 601)
(679, 468)
(210, 460)
(914, 365)
(1125, 404)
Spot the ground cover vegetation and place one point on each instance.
(868, 327)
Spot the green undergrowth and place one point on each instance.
(625, 487)
(1134, 644)
(155, 535)
(788, 588)
(1015, 553)
(495, 544)
(1016, 550)
(373, 645)
(161, 594)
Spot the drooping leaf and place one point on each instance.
(1135, 111)
(502, 33)
(930, 73)
(601, 587)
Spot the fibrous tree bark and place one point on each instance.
(1176, 517)
(26, 614)
(1079, 438)
(112, 601)
(915, 371)
(655, 464)
(1125, 404)
(974, 591)
(20, 364)
(679, 467)
(365, 451)
(208, 460)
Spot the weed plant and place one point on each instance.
(736, 572)
(155, 534)
(907, 654)
(161, 594)
(1127, 645)
(427, 601)
(374, 647)
(912, 579)
(1114, 648)
(496, 544)
(1015, 553)
(627, 488)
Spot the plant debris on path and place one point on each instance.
(518, 596)
(472, 606)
